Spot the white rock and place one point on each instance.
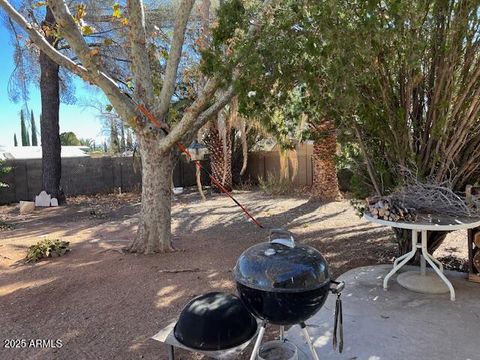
(43, 199)
(26, 207)
(54, 202)
(178, 190)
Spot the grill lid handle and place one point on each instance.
(282, 236)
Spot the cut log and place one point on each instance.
(476, 239)
(476, 261)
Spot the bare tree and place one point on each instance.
(156, 147)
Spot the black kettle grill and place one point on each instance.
(280, 282)
(285, 283)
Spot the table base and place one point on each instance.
(426, 257)
(429, 283)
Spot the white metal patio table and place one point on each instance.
(423, 225)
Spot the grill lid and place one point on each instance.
(282, 265)
(215, 321)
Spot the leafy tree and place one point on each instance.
(15, 142)
(69, 139)
(34, 130)
(409, 91)
(279, 86)
(153, 79)
(399, 79)
(86, 142)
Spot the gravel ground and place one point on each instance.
(104, 304)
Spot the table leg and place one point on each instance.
(405, 258)
(400, 258)
(440, 265)
(429, 257)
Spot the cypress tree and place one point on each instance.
(34, 130)
(23, 129)
(15, 142)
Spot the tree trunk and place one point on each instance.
(154, 229)
(325, 182)
(49, 126)
(221, 165)
(404, 240)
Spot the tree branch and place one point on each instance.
(209, 113)
(70, 31)
(139, 53)
(174, 57)
(368, 163)
(190, 115)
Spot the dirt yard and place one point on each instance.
(103, 304)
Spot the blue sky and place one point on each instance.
(82, 120)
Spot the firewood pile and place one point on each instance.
(385, 209)
(425, 198)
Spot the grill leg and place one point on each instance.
(258, 341)
(171, 352)
(309, 341)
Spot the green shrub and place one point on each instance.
(46, 248)
(3, 170)
(359, 206)
(4, 226)
(273, 185)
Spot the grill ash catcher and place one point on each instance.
(279, 282)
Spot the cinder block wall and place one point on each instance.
(85, 176)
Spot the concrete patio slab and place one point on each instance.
(398, 323)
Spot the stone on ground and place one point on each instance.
(26, 207)
(43, 199)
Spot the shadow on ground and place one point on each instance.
(106, 305)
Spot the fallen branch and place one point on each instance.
(176, 271)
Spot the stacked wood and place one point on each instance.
(473, 245)
(386, 209)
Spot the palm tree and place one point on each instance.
(325, 182)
